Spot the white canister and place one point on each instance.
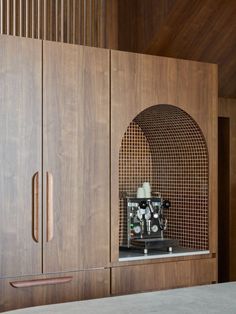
(140, 192)
(147, 189)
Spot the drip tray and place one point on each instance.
(155, 243)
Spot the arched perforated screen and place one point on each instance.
(165, 146)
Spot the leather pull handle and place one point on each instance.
(49, 200)
(40, 282)
(36, 207)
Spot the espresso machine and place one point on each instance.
(146, 224)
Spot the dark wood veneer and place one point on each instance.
(159, 276)
(84, 285)
(140, 81)
(20, 154)
(76, 156)
(76, 152)
(193, 30)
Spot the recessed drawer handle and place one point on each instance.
(39, 282)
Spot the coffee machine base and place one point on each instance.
(155, 244)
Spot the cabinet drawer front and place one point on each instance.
(39, 290)
(131, 279)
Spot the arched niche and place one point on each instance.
(164, 146)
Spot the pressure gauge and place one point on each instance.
(137, 229)
(154, 228)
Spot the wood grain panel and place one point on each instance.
(227, 109)
(140, 81)
(86, 22)
(76, 153)
(141, 278)
(193, 30)
(139, 21)
(83, 285)
(20, 153)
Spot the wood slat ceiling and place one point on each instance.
(202, 30)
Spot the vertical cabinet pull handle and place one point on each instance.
(49, 205)
(36, 207)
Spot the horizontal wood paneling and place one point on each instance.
(140, 278)
(86, 22)
(53, 288)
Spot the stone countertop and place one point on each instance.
(209, 299)
(137, 254)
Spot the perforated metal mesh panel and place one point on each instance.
(135, 167)
(165, 146)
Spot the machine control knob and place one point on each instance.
(143, 204)
(166, 204)
(137, 229)
(154, 228)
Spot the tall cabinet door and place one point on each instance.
(20, 156)
(75, 157)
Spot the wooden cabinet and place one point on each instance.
(53, 288)
(76, 155)
(141, 81)
(20, 155)
(54, 180)
(159, 276)
(63, 112)
(138, 83)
